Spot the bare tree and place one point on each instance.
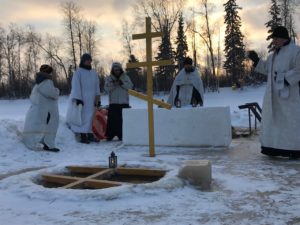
(33, 40)
(71, 15)
(206, 32)
(79, 29)
(89, 37)
(2, 72)
(9, 49)
(288, 9)
(52, 48)
(163, 12)
(127, 31)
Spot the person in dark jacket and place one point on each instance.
(116, 84)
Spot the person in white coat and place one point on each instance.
(280, 131)
(42, 118)
(117, 85)
(187, 88)
(85, 91)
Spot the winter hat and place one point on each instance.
(188, 61)
(116, 64)
(46, 68)
(85, 57)
(280, 32)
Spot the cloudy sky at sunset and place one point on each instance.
(45, 16)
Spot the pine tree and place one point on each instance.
(234, 46)
(181, 43)
(164, 74)
(274, 22)
(134, 75)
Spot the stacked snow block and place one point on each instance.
(197, 172)
(185, 127)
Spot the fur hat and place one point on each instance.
(188, 61)
(46, 69)
(280, 32)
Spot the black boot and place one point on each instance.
(92, 138)
(84, 138)
(46, 148)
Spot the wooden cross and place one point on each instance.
(149, 64)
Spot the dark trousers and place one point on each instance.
(279, 152)
(115, 121)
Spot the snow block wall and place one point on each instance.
(203, 127)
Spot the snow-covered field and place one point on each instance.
(248, 188)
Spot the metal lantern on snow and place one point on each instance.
(112, 160)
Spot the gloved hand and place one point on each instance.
(78, 102)
(254, 57)
(120, 82)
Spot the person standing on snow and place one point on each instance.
(116, 84)
(187, 88)
(280, 134)
(42, 118)
(85, 91)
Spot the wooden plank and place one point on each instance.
(76, 184)
(101, 184)
(144, 97)
(81, 182)
(145, 35)
(102, 174)
(85, 169)
(140, 172)
(163, 62)
(59, 179)
(145, 64)
(136, 65)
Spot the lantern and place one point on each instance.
(112, 160)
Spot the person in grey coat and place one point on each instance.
(280, 131)
(116, 84)
(187, 88)
(42, 118)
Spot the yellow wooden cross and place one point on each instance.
(149, 64)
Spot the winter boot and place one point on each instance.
(92, 138)
(84, 138)
(46, 148)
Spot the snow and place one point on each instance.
(207, 126)
(247, 188)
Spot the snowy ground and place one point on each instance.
(248, 188)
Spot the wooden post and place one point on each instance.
(149, 63)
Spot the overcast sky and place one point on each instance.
(45, 16)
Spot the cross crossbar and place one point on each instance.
(145, 35)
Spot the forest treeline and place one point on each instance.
(186, 32)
